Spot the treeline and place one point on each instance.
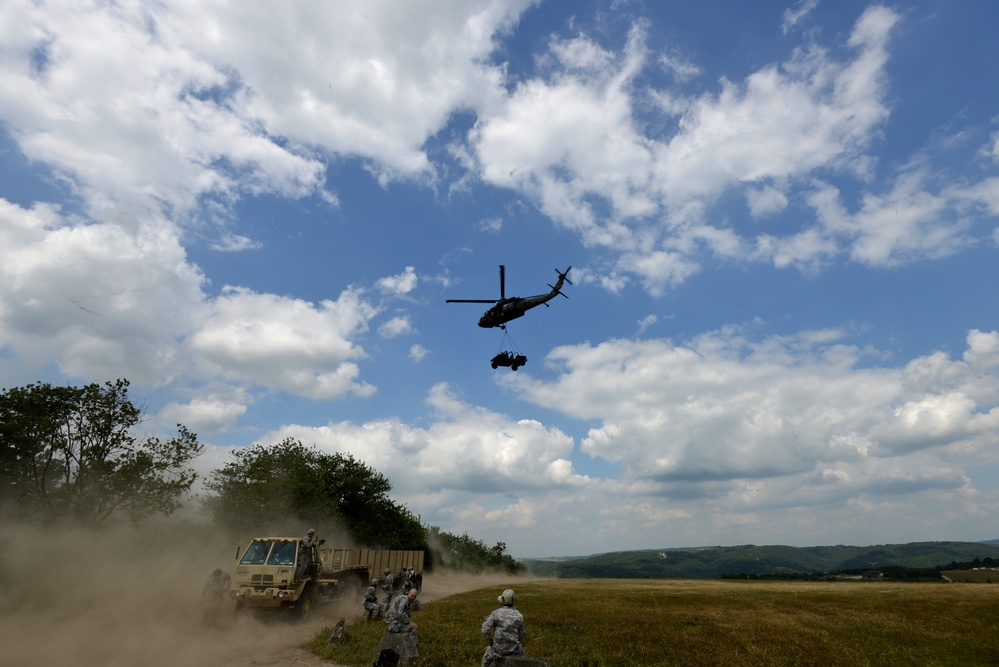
(471, 555)
(971, 564)
(903, 561)
(887, 572)
(75, 454)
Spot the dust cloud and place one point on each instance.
(118, 596)
(442, 584)
(128, 596)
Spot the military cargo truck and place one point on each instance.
(266, 578)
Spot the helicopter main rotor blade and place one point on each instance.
(502, 282)
(470, 300)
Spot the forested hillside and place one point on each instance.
(710, 562)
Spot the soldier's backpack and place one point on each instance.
(387, 658)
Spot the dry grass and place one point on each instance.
(982, 576)
(706, 622)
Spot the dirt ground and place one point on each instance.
(295, 657)
(130, 597)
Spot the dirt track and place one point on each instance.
(278, 654)
(295, 657)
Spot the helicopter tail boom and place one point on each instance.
(557, 290)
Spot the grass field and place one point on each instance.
(983, 576)
(709, 622)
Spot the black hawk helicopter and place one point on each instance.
(511, 308)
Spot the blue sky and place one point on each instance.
(781, 220)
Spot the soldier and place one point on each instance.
(504, 629)
(304, 555)
(397, 617)
(371, 604)
(214, 592)
(407, 579)
(387, 584)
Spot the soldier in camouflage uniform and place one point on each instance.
(213, 594)
(387, 583)
(504, 629)
(397, 617)
(371, 604)
(304, 552)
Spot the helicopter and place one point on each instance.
(511, 308)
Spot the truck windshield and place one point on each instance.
(255, 554)
(283, 553)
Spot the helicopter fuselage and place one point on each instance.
(503, 312)
(514, 307)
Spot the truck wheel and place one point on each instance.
(303, 606)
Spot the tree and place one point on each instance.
(73, 453)
(264, 487)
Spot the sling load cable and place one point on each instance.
(507, 337)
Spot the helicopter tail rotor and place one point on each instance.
(563, 276)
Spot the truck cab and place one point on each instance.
(266, 576)
(271, 574)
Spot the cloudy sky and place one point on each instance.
(782, 220)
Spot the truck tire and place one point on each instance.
(303, 606)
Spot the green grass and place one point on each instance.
(707, 622)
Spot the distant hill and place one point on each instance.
(714, 562)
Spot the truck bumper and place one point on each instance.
(266, 597)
